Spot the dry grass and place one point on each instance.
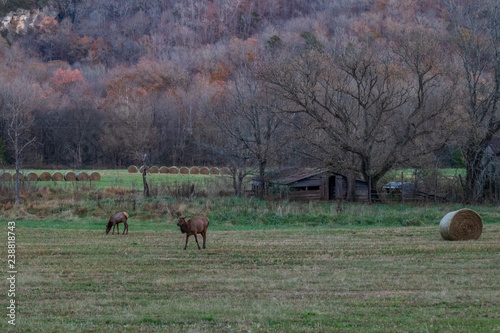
(290, 280)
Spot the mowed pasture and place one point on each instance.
(269, 266)
(405, 279)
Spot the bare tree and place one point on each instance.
(477, 39)
(248, 117)
(365, 107)
(18, 99)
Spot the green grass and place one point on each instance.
(301, 279)
(121, 178)
(269, 266)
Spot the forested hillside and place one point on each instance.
(360, 86)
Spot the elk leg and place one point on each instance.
(125, 227)
(204, 234)
(185, 246)
(196, 239)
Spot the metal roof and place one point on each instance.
(291, 175)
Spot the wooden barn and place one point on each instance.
(309, 184)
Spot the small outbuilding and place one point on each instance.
(309, 184)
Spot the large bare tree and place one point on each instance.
(371, 113)
(18, 99)
(477, 51)
(247, 115)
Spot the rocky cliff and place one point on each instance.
(22, 20)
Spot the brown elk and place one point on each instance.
(193, 226)
(114, 220)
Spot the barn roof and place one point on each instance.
(495, 146)
(291, 175)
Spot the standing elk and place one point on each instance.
(114, 220)
(193, 226)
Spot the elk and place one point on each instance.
(193, 226)
(114, 220)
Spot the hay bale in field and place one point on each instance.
(214, 171)
(173, 170)
(225, 171)
(142, 169)
(204, 171)
(57, 176)
(69, 176)
(95, 176)
(154, 169)
(82, 176)
(45, 176)
(132, 169)
(463, 224)
(184, 171)
(163, 169)
(6, 177)
(194, 171)
(31, 177)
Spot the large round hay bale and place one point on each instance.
(142, 169)
(194, 171)
(57, 176)
(69, 176)
(214, 171)
(184, 171)
(225, 171)
(163, 169)
(132, 169)
(95, 176)
(173, 170)
(82, 176)
(6, 177)
(463, 224)
(45, 176)
(154, 169)
(204, 171)
(31, 177)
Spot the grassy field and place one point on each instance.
(122, 178)
(269, 266)
(404, 279)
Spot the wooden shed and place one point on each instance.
(309, 184)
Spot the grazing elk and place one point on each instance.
(193, 226)
(114, 220)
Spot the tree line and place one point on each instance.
(359, 86)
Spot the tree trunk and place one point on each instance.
(262, 178)
(146, 186)
(17, 197)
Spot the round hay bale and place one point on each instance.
(173, 170)
(194, 171)
(132, 169)
(69, 176)
(57, 176)
(214, 171)
(142, 169)
(45, 176)
(31, 177)
(163, 169)
(154, 169)
(204, 171)
(82, 176)
(463, 224)
(95, 176)
(225, 171)
(6, 177)
(184, 171)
